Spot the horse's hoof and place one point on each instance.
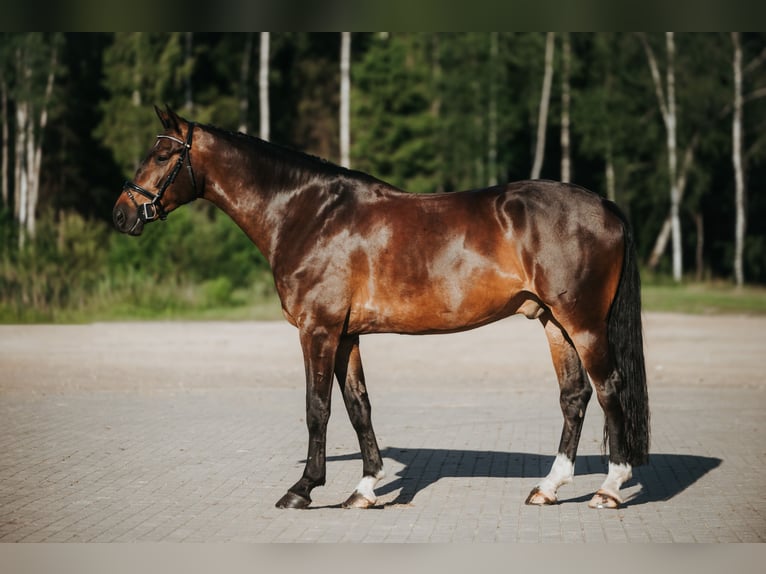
(292, 500)
(356, 500)
(538, 498)
(603, 499)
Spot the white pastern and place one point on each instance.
(366, 486)
(561, 473)
(617, 476)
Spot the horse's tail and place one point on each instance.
(626, 346)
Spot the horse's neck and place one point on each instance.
(254, 191)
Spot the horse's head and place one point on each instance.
(160, 184)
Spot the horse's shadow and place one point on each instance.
(665, 476)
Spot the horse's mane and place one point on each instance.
(289, 166)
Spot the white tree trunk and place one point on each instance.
(675, 196)
(244, 83)
(35, 146)
(6, 141)
(566, 58)
(22, 117)
(611, 188)
(739, 178)
(668, 111)
(664, 236)
(32, 179)
(492, 115)
(345, 99)
(21, 201)
(545, 97)
(263, 85)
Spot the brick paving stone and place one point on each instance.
(196, 441)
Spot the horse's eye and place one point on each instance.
(162, 158)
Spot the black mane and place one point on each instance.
(287, 165)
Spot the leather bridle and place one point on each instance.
(154, 209)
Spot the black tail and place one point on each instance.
(626, 345)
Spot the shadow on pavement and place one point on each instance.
(665, 476)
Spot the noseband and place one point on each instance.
(154, 209)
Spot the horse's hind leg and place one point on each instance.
(348, 370)
(575, 391)
(593, 348)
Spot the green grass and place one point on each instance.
(261, 308)
(160, 303)
(703, 298)
(216, 300)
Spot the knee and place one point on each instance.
(316, 418)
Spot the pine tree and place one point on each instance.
(395, 127)
(141, 69)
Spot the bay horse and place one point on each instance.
(352, 255)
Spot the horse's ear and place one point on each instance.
(173, 119)
(170, 120)
(163, 117)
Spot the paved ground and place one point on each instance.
(191, 432)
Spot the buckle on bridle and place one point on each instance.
(150, 211)
(145, 211)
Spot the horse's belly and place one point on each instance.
(435, 308)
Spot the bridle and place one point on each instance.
(154, 209)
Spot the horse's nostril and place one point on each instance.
(119, 217)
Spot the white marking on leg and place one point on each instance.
(561, 473)
(366, 486)
(618, 474)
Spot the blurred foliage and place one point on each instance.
(420, 119)
(198, 260)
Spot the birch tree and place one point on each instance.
(263, 86)
(736, 156)
(739, 155)
(666, 98)
(345, 98)
(545, 96)
(5, 137)
(697, 139)
(31, 121)
(566, 60)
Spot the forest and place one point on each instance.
(670, 126)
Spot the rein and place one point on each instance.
(154, 209)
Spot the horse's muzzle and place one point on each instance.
(127, 221)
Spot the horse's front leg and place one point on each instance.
(319, 349)
(348, 369)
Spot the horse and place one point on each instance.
(353, 255)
